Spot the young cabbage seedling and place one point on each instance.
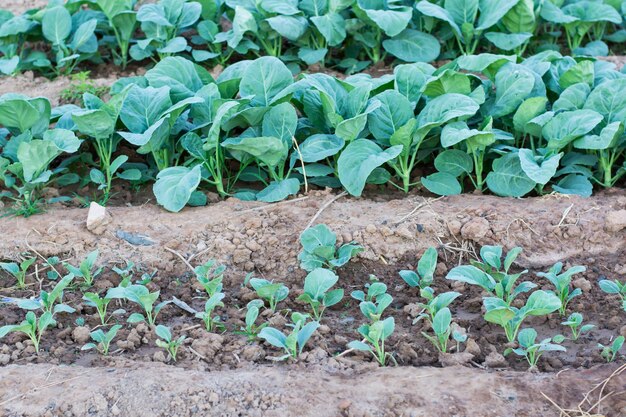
(294, 343)
(374, 337)
(425, 274)
(210, 321)
(269, 291)
(103, 340)
(493, 275)
(168, 343)
(316, 291)
(540, 303)
(251, 329)
(210, 276)
(562, 282)
(609, 352)
(614, 287)
(441, 327)
(374, 303)
(32, 327)
(50, 302)
(18, 270)
(531, 349)
(574, 322)
(318, 249)
(87, 270)
(139, 294)
(99, 303)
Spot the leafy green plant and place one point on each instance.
(33, 327)
(251, 330)
(441, 327)
(163, 23)
(87, 270)
(102, 340)
(531, 349)
(374, 337)
(98, 121)
(614, 287)
(562, 282)
(122, 20)
(574, 322)
(139, 294)
(211, 321)
(425, 274)
(269, 291)
(610, 352)
(540, 303)
(167, 342)
(27, 158)
(71, 42)
(492, 274)
(317, 294)
(210, 276)
(101, 304)
(318, 249)
(50, 302)
(294, 342)
(18, 270)
(374, 302)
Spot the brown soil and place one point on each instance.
(130, 390)
(263, 239)
(21, 6)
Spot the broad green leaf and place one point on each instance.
(413, 46)
(395, 111)
(492, 11)
(56, 25)
(281, 122)
(508, 179)
(177, 73)
(174, 186)
(454, 162)
(513, 85)
(279, 190)
(608, 100)
(267, 149)
(319, 146)
(472, 275)
(263, 79)
(332, 26)
(608, 138)
(289, 27)
(508, 41)
(143, 107)
(442, 183)
(35, 156)
(538, 168)
(358, 161)
(444, 108)
(568, 126)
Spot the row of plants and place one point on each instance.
(508, 301)
(486, 122)
(348, 34)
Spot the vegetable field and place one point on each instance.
(313, 207)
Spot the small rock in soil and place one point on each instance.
(583, 284)
(97, 218)
(475, 229)
(159, 357)
(81, 335)
(4, 359)
(615, 221)
(453, 359)
(208, 345)
(495, 360)
(472, 347)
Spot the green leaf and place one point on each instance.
(568, 126)
(332, 26)
(267, 149)
(174, 186)
(608, 100)
(442, 183)
(441, 321)
(263, 79)
(319, 146)
(454, 162)
(289, 27)
(279, 190)
(394, 111)
(179, 74)
(413, 46)
(56, 25)
(35, 156)
(472, 275)
(358, 160)
(513, 85)
(539, 169)
(508, 41)
(430, 9)
(281, 122)
(541, 303)
(444, 108)
(508, 179)
(492, 11)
